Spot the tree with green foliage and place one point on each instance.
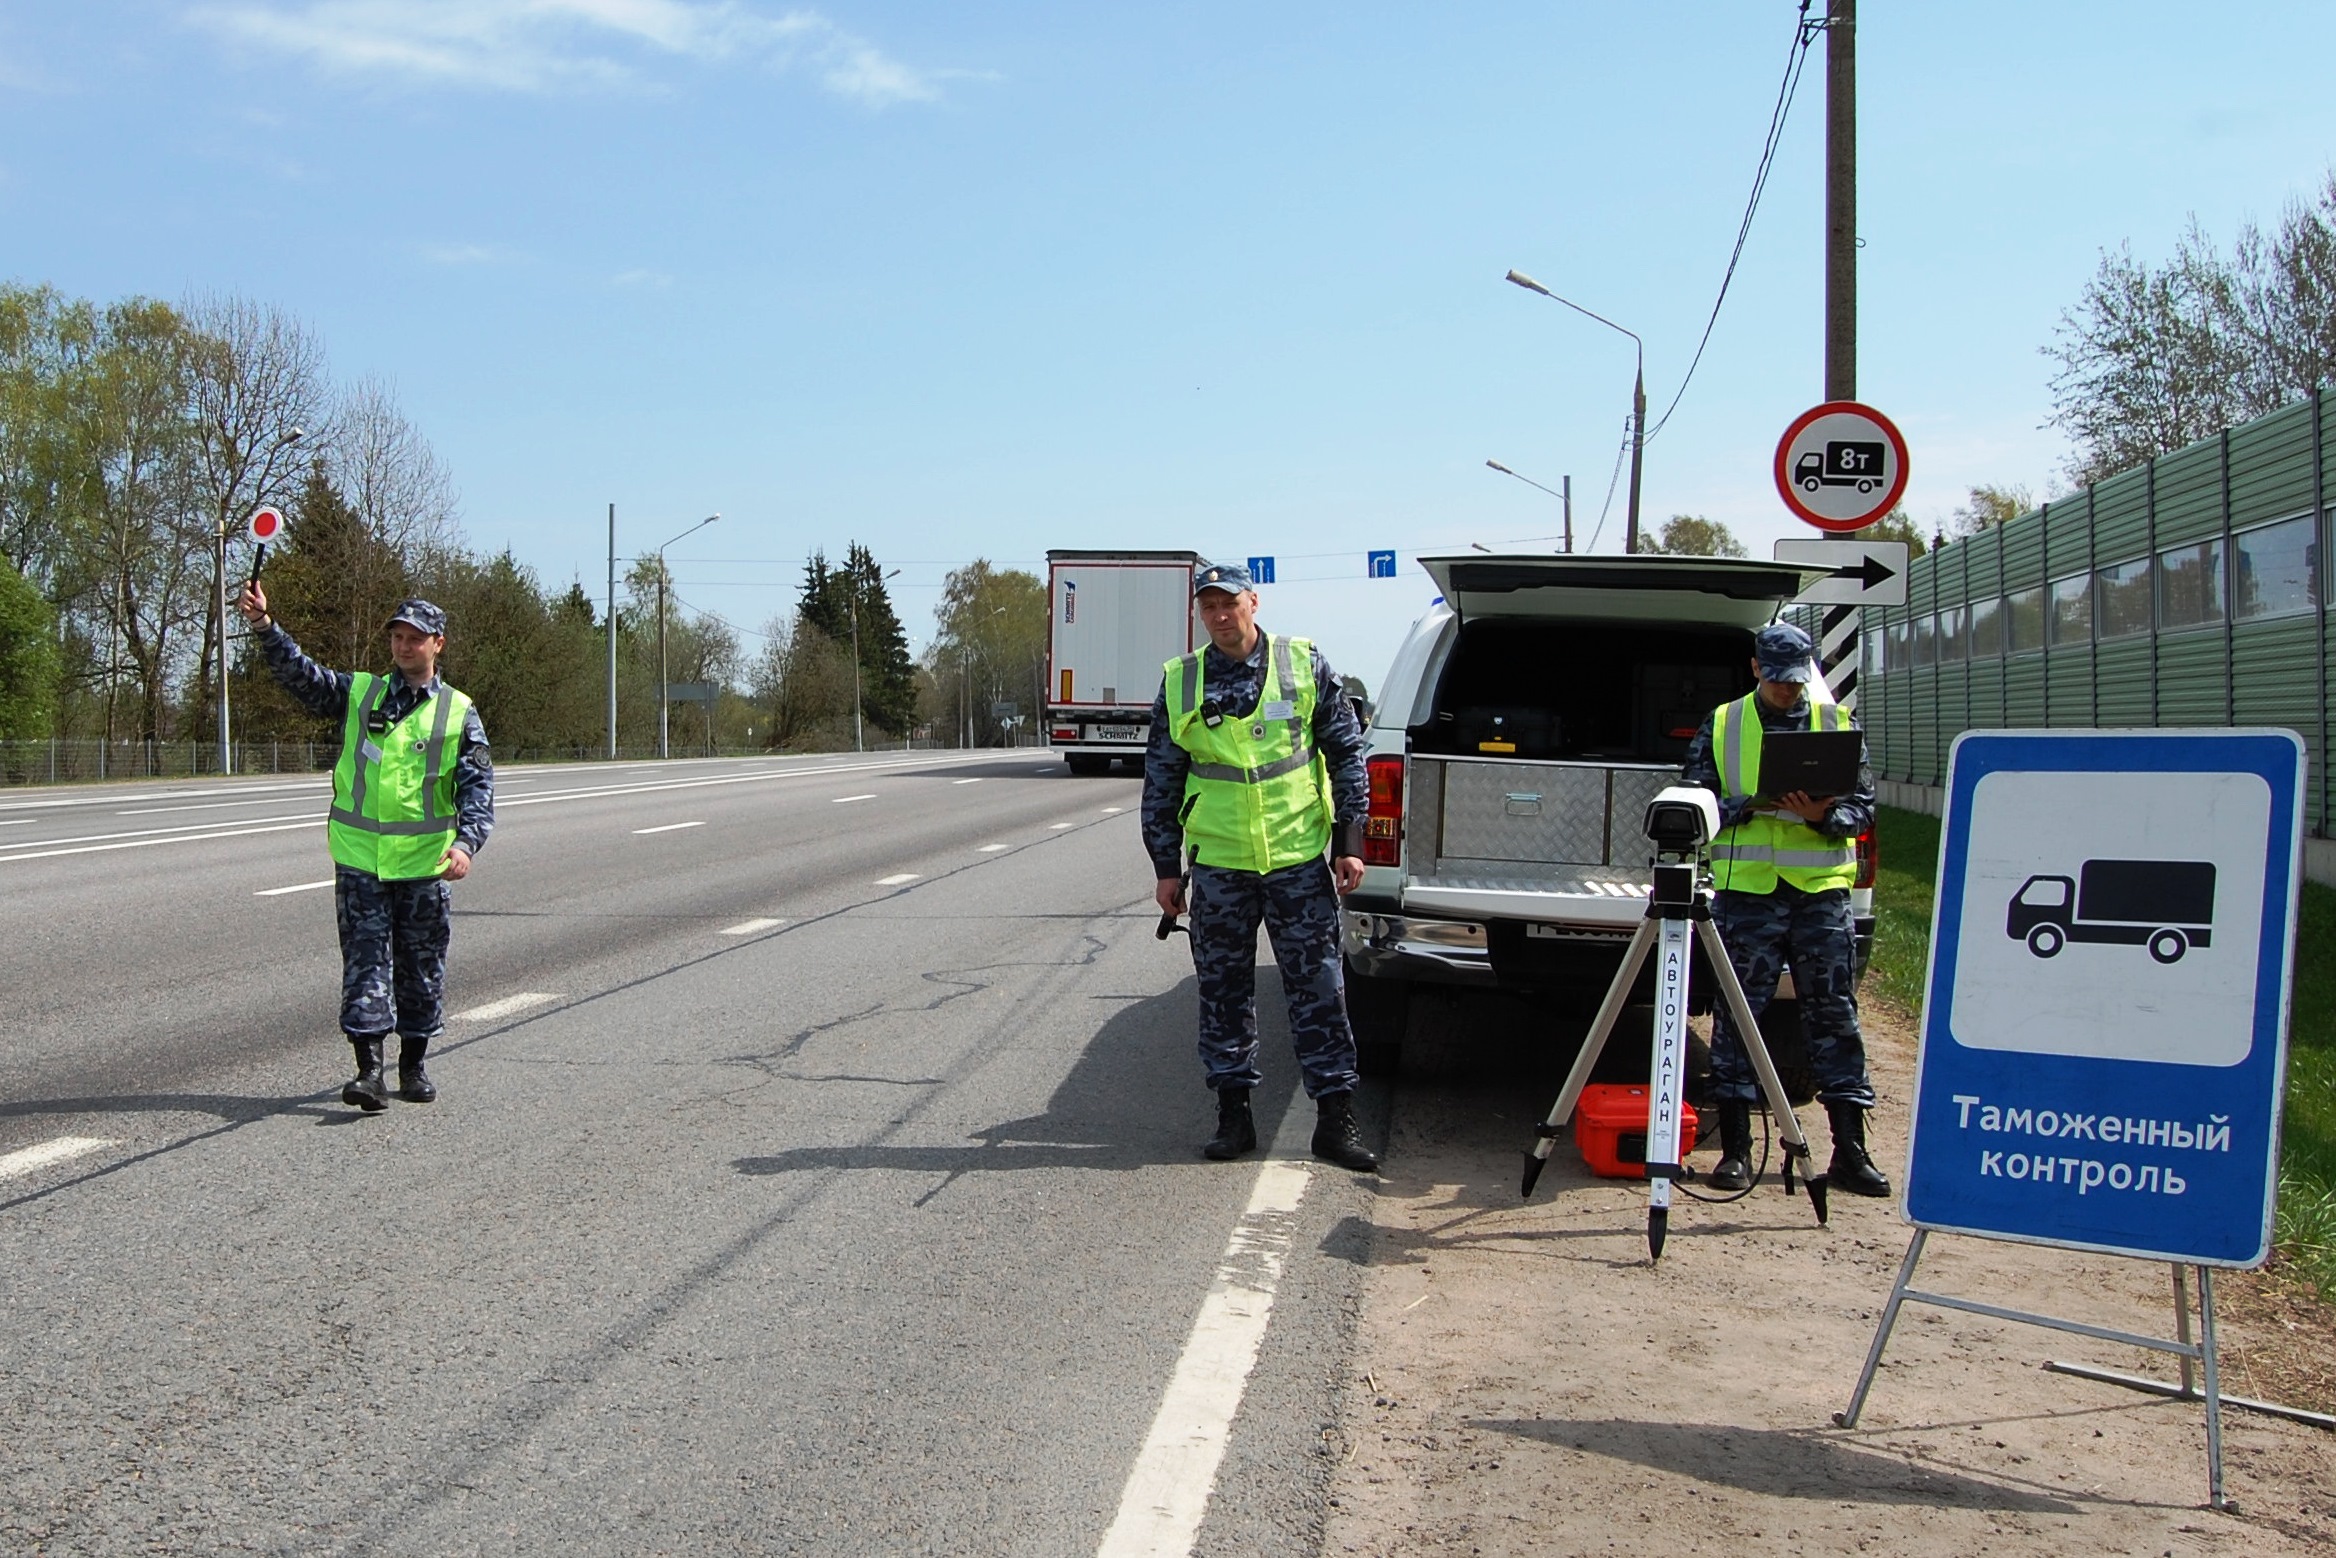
(28, 658)
(1692, 535)
(990, 648)
(1896, 525)
(850, 606)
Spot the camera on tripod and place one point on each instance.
(1681, 821)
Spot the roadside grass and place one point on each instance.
(2306, 1230)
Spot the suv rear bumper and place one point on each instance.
(1434, 950)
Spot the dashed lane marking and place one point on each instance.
(840, 799)
(297, 887)
(1113, 811)
(670, 827)
(509, 1006)
(991, 849)
(1168, 1492)
(1057, 827)
(965, 781)
(900, 879)
(749, 927)
(27, 1159)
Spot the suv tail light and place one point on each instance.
(1383, 822)
(1869, 858)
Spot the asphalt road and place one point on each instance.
(814, 1172)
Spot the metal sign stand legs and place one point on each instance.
(1678, 907)
(2201, 1351)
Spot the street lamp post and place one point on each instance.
(664, 703)
(1566, 497)
(1638, 399)
(219, 591)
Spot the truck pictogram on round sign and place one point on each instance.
(1841, 466)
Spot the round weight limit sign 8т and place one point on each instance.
(1841, 466)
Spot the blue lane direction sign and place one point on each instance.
(2104, 1042)
(1261, 570)
(1380, 565)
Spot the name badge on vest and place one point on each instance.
(368, 751)
(1279, 709)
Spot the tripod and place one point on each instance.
(1678, 907)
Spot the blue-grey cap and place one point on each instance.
(1229, 577)
(1784, 652)
(420, 615)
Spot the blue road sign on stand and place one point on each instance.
(1382, 564)
(1261, 570)
(2104, 1041)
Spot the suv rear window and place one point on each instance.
(1613, 692)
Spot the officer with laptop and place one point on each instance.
(1795, 791)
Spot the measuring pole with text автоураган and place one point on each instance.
(1681, 822)
(2104, 1026)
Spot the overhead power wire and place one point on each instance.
(1603, 508)
(1804, 33)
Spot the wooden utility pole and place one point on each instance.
(1841, 201)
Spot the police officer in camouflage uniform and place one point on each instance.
(1782, 868)
(1256, 764)
(413, 802)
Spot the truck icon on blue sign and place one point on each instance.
(2164, 905)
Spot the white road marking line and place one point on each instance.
(174, 838)
(965, 781)
(749, 927)
(1113, 811)
(991, 849)
(509, 1006)
(159, 811)
(26, 1159)
(838, 800)
(1048, 769)
(298, 887)
(902, 879)
(1168, 1492)
(670, 827)
(1057, 827)
(17, 822)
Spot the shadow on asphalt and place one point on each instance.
(1134, 1098)
(225, 1106)
(1779, 1463)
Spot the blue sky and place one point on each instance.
(963, 281)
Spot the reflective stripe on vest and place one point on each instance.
(1256, 791)
(384, 820)
(1757, 853)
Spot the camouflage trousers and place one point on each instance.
(1299, 909)
(393, 954)
(1814, 933)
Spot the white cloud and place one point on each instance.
(560, 45)
(464, 253)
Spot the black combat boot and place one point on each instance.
(365, 1091)
(1338, 1139)
(413, 1083)
(1853, 1170)
(1734, 1169)
(1236, 1131)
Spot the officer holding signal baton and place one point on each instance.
(413, 802)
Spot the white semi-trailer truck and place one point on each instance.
(1114, 619)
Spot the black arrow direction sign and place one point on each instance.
(1870, 569)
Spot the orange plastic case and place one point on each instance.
(1610, 1128)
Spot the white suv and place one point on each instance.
(1527, 720)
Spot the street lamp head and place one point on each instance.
(1504, 470)
(1529, 284)
(295, 435)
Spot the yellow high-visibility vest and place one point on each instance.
(1257, 796)
(1765, 848)
(393, 793)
